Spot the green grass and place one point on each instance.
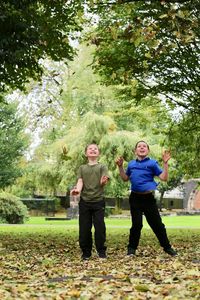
(169, 221)
(40, 225)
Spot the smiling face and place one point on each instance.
(141, 150)
(92, 151)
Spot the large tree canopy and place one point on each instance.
(55, 163)
(150, 47)
(31, 30)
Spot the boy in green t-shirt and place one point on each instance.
(92, 178)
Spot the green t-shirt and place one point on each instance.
(91, 176)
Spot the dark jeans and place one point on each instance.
(146, 203)
(92, 213)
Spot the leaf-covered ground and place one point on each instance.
(46, 264)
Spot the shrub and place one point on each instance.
(12, 210)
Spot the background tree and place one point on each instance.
(152, 48)
(184, 138)
(55, 164)
(64, 95)
(12, 144)
(41, 104)
(82, 90)
(87, 111)
(32, 30)
(151, 45)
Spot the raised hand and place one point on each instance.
(166, 156)
(119, 161)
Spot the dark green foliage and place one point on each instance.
(185, 144)
(12, 210)
(151, 47)
(12, 144)
(31, 30)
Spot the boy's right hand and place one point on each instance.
(74, 192)
(119, 161)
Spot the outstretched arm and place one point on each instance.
(119, 161)
(165, 157)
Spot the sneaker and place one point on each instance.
(102, 255)
(171, 251)
(85, 257)
(131, 251)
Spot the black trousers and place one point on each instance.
(92, 213)
(146, 204)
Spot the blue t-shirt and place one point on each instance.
(141, 174)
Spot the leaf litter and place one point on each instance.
(48, 266)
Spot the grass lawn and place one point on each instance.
(169, 221)
(40, 260)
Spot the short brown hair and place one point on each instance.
(140, 142)
(92, 143)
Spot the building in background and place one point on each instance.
(174, 199)
(186, 197)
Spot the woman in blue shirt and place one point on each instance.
(141, 173)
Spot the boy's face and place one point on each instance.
(92, 151)
(142, 150)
